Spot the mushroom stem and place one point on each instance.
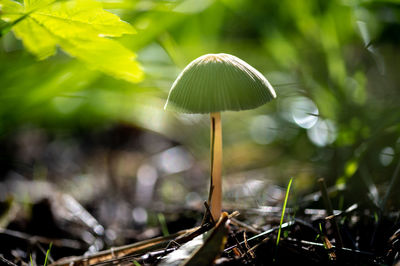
(215, 196)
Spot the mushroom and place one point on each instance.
(213, 83)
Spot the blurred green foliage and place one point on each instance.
(334, 65)
(78, 27)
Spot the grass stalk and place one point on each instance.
(47, 255)
(283, 211)
(163, 223)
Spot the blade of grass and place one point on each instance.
(163, 223)
(47, 255)
(283, 211)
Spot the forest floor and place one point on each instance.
(238, 238)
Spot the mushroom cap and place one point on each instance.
(218, 82)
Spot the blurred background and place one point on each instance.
(104, 149)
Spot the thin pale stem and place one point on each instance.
(215, 196)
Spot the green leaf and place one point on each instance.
(10, 10)
(79, 27)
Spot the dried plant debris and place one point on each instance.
(245, 238)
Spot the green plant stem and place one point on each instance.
(283, 211)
